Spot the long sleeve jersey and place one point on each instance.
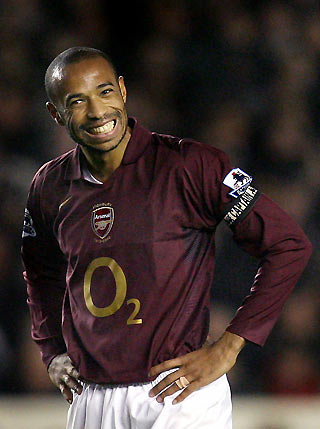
(119, 273)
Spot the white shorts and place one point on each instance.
(100, 407)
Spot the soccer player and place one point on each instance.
(118, 247)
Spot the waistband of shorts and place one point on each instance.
(115, 385)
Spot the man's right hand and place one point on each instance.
(64, 375)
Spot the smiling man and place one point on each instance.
(118, 247)
(91, 104)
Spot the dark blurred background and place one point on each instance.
(241, 75)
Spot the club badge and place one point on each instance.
(238, 181)
(102, 218)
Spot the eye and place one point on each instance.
(106, 91)
(75, 102)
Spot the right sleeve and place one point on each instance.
(45, 274)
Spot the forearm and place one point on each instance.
(273, 284)
(271, 235)
(45, 315)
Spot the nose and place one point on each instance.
(96, 109)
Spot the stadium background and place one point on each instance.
(242, 75)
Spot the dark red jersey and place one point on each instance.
(119, 273)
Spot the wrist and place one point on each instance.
(232, 342)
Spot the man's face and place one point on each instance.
(91, 103)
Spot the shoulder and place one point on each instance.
(189, 149)
(192, 155)
(48, 187)
(54, 170)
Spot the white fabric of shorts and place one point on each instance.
(100, 407)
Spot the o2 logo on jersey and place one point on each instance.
(102, 218)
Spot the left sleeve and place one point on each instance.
(45, 275)
(260, 227)
(271, 235)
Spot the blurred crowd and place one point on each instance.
(241, 75)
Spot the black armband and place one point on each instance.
(238, 209)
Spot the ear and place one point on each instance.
(54, 113)
(122, 88)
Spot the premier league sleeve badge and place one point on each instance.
(28, 227)
(245, 196)
(238, 181)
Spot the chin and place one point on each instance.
(102, 147)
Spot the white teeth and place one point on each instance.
(105, 129)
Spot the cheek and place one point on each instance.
(72, 126)
(69, 122)
(117, 103)
(72, 120)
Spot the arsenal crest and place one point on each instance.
(102, 220)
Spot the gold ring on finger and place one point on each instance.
(182, 382)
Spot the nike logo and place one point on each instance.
(64, 202)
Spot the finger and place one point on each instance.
(186, 392)
(164, 366)
(73, 372)
(163, 384)
(66, 393)
(170, 391)
(72, 384)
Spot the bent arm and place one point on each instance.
(271, 235)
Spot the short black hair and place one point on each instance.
(69, 56)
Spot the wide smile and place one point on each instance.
(105, 131)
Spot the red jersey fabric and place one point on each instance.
(119, 273)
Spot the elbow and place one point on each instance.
(306, 247)
(309, 248)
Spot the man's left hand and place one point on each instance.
(199, 368)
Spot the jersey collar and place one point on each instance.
(140, 138)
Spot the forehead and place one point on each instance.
(85, 75)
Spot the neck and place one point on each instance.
(103, 164)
